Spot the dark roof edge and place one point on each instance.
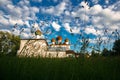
(32, 39)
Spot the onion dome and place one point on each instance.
(53, 40)
(59, 38)
(66, 40)
(38, 32)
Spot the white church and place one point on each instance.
(39, 47)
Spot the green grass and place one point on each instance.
(96, 68)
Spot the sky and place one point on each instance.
(95, 20)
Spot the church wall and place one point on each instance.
(39, 48)
(22, 43)
(33, 48)
(54, 54)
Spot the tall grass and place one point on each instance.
(96, 68)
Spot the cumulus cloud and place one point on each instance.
(95, 1)
(70, 29)
(55, 10)
(116, 6)
(97, 16)
(92, 30)
(96, 9)
(37, 0)
(105, 18)
(107, 1)
(19, 13)
(67, 26)
(56, 26)
(76, 30)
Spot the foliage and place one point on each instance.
(105, 52)
(94, 54)
(9, 44)
(116, 47)
(85, 44)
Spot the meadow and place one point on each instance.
(93, 68)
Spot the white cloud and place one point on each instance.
(13, 22)
(55, 10)
(36, 25)
(3, 21)
(67, 26)
(18, 13)
(67, 13)
(95, 1)
(56, 26)
(27, 23)
(92, 30)
(116, 6)
(105, 17)
(101, 18)
(37, 1)
(107, 1)
(5, 30)
(85, 5)
(96, 9)
(75, 30)
(25, 36)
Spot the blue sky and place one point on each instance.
(72, 19)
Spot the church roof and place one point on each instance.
(38, 32)
(66, 40)
(53, 40)
(59, 38)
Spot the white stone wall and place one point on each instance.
(56, 54)
(33, 47)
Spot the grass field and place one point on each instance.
(94, 68)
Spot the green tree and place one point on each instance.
(92, 52)
(116, 47)
(105, 52)
(9, 43)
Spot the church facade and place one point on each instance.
(40, 48)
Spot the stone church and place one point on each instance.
(39, 47)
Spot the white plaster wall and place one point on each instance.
(22, 43)
(54, 54)
(33, 48)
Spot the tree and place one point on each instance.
(94, 54)
(116, 47)
(9, 43)
(105, 52)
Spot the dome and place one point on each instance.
(59, 38)
(53, 40)
(66, 40)
(38, 32)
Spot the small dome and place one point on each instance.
(38, 32)
(59, 38)
(66, 40)
(53, 40)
